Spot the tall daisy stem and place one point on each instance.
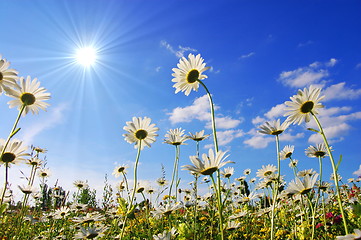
(212, 115)
(12, 133)
(334, 169)
(130, 207)
(276, 186)
(219, 204)
(175, 172)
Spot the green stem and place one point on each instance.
(175, 172)
(219, 203)
(212, 114)
(130, 207)
(12, 133)
(334, 169)
(276, 186)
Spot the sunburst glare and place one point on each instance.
(86, 56)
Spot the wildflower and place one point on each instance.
(227, 172)
(293, 163)
(118, 170)
(266, 171)
(166, 235)
(80, 184)
(44, 173)
(198, 136)
(274, 127)
(90, 233)
(188, 73)
(79, 206)
(247, 171)
(7, 76)
(233, 225)
(167, 209)
(89, 218)
(62, 212)
(40, 150)
(332, 177)
(240, 214)
(27, 189)
(287, 152)
(175, 137)
(302, 187)
(307, 172)
(253, 180)
(320, 150)
(210, 163)
(140, 130)
(355, 235)
(14, 152)
(162, 181)
(30, 95)
(34, 162)
(303, 104)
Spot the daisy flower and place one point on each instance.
(188, 73)
(287, 152)
(355, 235)
(274, 127)
(320, 150)
(175, 137)
(198, 136)
(167, 209)
(266, 171)
(27, 189)
(302, 104)
(118, 170)
(210, 163)
(14, 152)
(227, 172)
(30, 95)
(90, 233)
(293, 163)
(80, 184)
(247, 171)
(44, 173)
(7, 76)
(302, 187)
(140, 130)
(34, 161)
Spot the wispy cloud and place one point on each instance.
(341, 91)
(358, 172)
(54, 117)
(303, 44)
(179, 51)
(276, 111)
(247, 55)
(304, 76)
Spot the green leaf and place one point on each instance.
(3, 207)
(15, 132)
(356, 209)
(339, 162)
(313, 130)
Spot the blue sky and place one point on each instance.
(260, 54)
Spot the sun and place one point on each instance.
(86, 56)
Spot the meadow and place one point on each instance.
(266, 207)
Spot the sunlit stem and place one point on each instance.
(212, 115)
(12, 133)
(195, 227)
(126, 184)
(219, 203)
(130, 207)
(276, 186)
(175, 172)
(334, 169)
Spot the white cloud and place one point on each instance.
(276, 111)
(178, 52)
(289, 137)
(258, 120)
(157, 69)
(333, 133)
(332, 62)
(309, 42)
(358, 172)
(225, 123)
(358, 65)
(340, 91)
(247, 55)
(258, 141)
(53, 118)
(302, 77)
(198, 110)
(225, 137)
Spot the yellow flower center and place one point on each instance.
(192, 76)
(289, 154)
(267, 173)
(141, 134)
(121, 169)
(1, 76)
(28, 98)
(304, 191)
(307, 107)
(276, 132)
(8, 157)
(209, 171)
